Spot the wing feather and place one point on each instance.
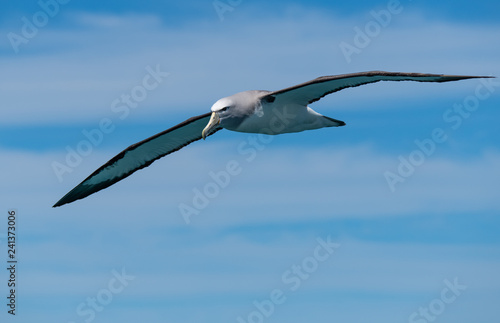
(309, 92)
(138, 156)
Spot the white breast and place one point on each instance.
(275, 118)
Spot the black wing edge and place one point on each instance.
(80, 191)
(321, 79)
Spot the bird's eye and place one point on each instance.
(224, 109)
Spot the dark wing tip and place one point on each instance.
(77, 193)
(60, 203)
(446, 77)
(66, 199)
(63, 201)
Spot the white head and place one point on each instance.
(222, 104)
(231, 111)
(219, 111)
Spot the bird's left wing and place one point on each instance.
(314, 90)
(138, 156)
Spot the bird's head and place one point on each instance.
(221, 115)
(230, 112)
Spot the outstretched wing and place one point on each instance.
(314, 90)
(138, 156)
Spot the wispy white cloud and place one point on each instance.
(102, 59)
(285, 185)
(315, 183)
(115, 21)
(238, 272)
(79, 244)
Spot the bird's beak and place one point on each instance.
(214, 122)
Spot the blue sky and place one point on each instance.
(309, 229)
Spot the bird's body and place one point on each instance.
(255, 112)
(267, 112)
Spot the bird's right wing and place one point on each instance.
(138, 156)
(309, 92)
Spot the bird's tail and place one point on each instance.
(334, 122)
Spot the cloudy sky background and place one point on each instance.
(398, 250)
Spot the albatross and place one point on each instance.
(257, 111)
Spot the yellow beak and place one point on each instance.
(214, 122)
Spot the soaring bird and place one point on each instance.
(257, 111)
